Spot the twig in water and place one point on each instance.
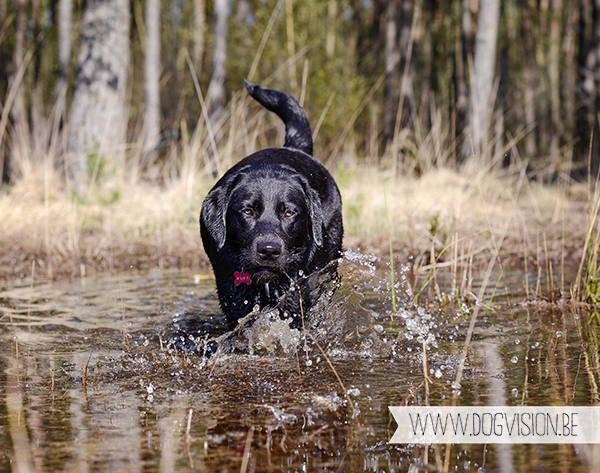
(282, 443)
(387, 214)
(425, 373)
(247, 447)
(85, 374)
(31, 294)
(426, 382)
(303, 326)
(189, 439)
(52, 385)
(22, 456)
(338, 378)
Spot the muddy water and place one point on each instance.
(87, 383)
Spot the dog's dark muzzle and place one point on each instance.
(269, 250)
(268, 257)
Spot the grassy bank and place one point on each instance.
(132, 223)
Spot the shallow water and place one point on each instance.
(88, 384)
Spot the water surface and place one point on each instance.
(88, 384)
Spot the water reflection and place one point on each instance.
(89, 386)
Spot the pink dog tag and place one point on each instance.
(242, 278)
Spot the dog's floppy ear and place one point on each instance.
(213, 217)
(315, 211)
(213, 214)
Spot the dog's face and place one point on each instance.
(269, 223)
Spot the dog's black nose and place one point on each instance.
(269, 250)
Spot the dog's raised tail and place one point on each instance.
(297, 128)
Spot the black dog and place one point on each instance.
(273, 222)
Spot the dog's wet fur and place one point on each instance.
(272, 225)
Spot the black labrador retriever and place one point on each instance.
(272, 225)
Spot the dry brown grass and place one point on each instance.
(444, 208)
(128, 223)
(118, 225)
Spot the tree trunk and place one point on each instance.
(554, 64)
(332, 13)
(482, 80)
(392, 69)
(588, 66)
(241, 13)
(98, 118)
(18, 108)
(65, 20)
(595, 53)
(462, 61)
(398, 53)
(4, 68)
(216, 88)
(529, 80)
(595, 59)
(65, 24)
(585, 63)
(152, 75)
(409, 14)
(199, 34)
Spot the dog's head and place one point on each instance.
(266, 219)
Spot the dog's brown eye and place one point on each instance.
(289, 213)
(247, 211)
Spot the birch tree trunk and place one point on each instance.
(461, 65)
(392, 69)
(65, 23)
(482, 80)
(216, 88)
(152, 75)
(65, 20)
(529, 80)
(4, 71)
(18, 107)
(98, 118)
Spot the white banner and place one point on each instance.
(494, 424)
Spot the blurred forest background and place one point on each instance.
(88, 85)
